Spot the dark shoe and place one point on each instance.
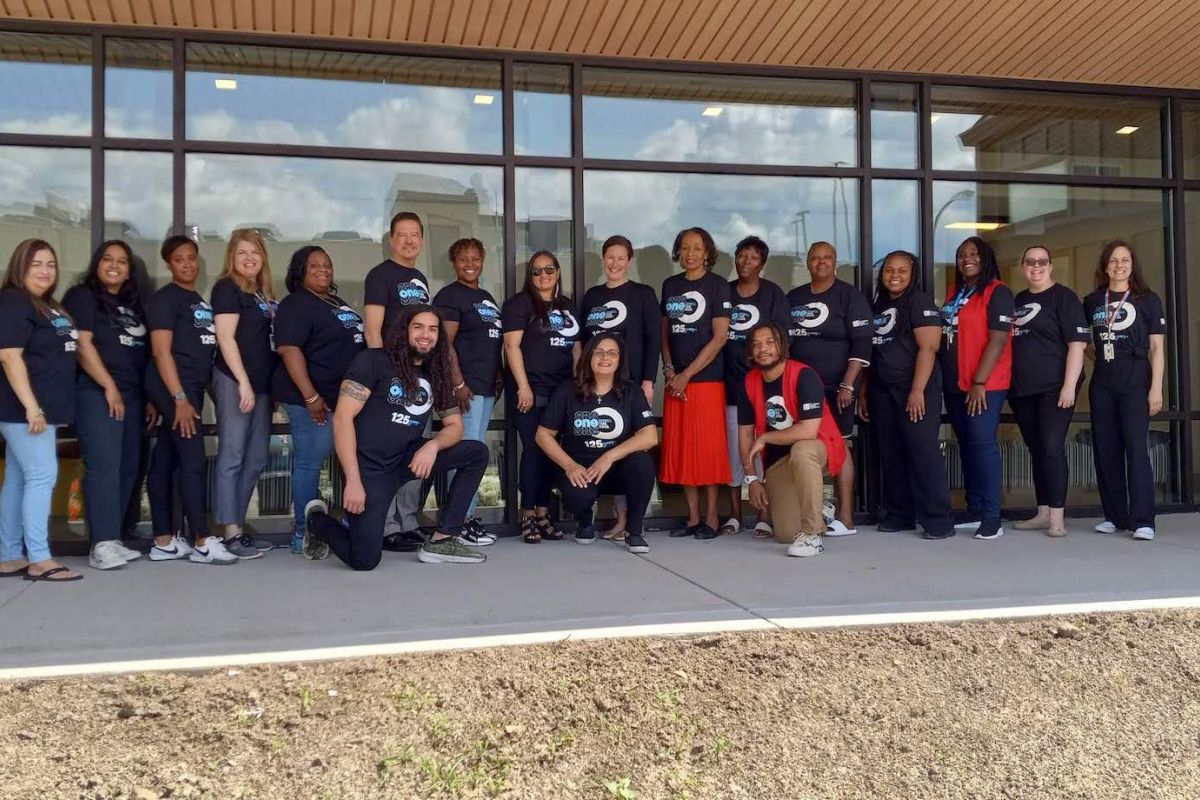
(946, 533)
(403, 542)
(706, 532)
(529, 531)
(989, 529)
(966, 519)
(547, 530)
(634, 543)
(690, 530)
(895, 526)
(586, 534)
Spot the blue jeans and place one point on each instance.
(242, 449)
(30, 471)
(311, 445)
(979, 451)
(112, 452)
(475, 426)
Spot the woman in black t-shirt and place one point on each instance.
(1128, 333)
(110, 404)
(37, 352)
(598, 429)
(541, 345)
(318, 334)
(902, 399)
(244, 314)
(1049, 338)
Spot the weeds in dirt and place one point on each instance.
(620, 789)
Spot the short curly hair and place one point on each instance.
(710, 247)
(467, 244)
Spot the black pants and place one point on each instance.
(632, 476)
(537, 470)
(173, 452)
(1044, 428)
(913, 470)
(360, 543)
(1120, 428)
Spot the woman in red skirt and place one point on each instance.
(695, 321)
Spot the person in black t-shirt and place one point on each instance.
(384, 404)
(110, 404)
(754, 299)
(541, 345)
(831, 332)
(902, 399)
(598, 429)
(695, 324)
(1050, 336)
(38, 344)
(1128, 333)
(244, 316)
(317, 334)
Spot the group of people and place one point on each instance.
(761, 390)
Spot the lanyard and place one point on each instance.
(960, 299)
(1110, 318)
(263, 301)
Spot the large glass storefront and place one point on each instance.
(135, 136)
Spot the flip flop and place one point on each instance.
(614, 535)
(12, 573)
(45, 576)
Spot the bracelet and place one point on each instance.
(845, 386)
(979, 383)
(38, 413)
(461, 385)
(668, 368)
(309, 401)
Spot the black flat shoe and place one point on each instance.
(946, 534)
(707, 532)
(403, 542)
(895, 526)
(690, 530)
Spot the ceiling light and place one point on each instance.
(1125, 131)
(712, 111)
(974, 226)
(484, 99)
(225, 83)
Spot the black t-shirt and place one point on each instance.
(810, 402)
(120, 339)
(894, 346)
(547, 344)
(691, 307)
(630, 310)
(394, 286)
(50, 344)
(768, 304)
(588, 429)
(254, 336)
(478, 341)
(1136, 320)
(329, 334)
(190, 319)
(1043, 324)
(390, 421)
(999, 318)
(827, 329)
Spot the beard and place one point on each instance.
(416, 355)
(774, 363)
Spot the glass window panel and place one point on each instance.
(542, 109)
(544, 221)
(659, 116)
(1192, 215)
(895, 218)
(138, 202)
(46, 192)
(137, 88)
(314, 97)
(1073, 222)
(1000, 130)
(47, 84)
(894, 125)
(344, 206)
(1191, 138)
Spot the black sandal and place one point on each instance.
(529, 531)
(548, 531)
(45, 576)
(12, 573)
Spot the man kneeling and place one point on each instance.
(598, 428)
(384, 403)
(784, 418)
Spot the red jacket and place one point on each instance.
(973, 338)
(829, 434)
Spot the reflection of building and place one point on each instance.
(448, 209)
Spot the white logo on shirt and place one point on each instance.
(1026, 313)
(777, 413)
(563, 322)
(811, 406)
(811, 315)
(885, 322)
(1126, 316)
(701, 307)
(609, 315)
(743, 318)
(422, 399)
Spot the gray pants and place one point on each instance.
(242, 449)
(402, 514)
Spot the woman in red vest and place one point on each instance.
(976, 361)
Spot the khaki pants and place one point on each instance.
(795, 490)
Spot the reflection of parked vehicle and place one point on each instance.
(267, 231)
(340, 236)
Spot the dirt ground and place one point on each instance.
(1091, 707)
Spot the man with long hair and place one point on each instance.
(384, 403)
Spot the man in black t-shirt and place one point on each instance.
(384, 404)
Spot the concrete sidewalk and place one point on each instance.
(281, 602)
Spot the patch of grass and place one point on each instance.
(387, 765)
(410, 698)
(620, 789)
(481, 767)
(307, 696)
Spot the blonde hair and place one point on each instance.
(262, 282)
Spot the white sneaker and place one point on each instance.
(1105, 527)
(838, 528)
(177, 549)
(105, 555)
(127, 553)
(1145, 534)
(212, 552)
(805, 546)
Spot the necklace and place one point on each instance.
(330, 299)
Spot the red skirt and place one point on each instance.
(694, 450)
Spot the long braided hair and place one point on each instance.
(437, 361)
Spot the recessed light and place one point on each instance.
(974, 226)
(484, 99)
(226, 84)
(1125, 131)
(712, 111)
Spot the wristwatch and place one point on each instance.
(179, 396)
(749, 479)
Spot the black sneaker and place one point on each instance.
(706, 532)
(967, 519)
(473, 534)
(634, 543)
(989, 529)
(403, 542)
(585, 534)
(944, 533)
(895, 526)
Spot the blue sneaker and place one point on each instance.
(297, 544)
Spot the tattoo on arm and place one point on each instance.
(355, 391)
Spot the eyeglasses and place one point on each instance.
(606, 354)
(1036, 262)
(537, 271)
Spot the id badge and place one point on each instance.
(1110, 352)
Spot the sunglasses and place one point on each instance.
(538, 271)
